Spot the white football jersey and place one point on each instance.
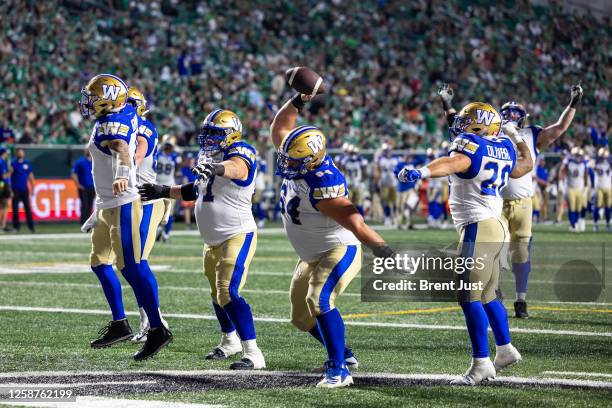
(166, 168)
(475, 195)
(523, 187)
(224, 206)
(310, 232)
(602, 171)
(353, 169)
(387, 167)
(121, 125)
(576, 171)
(147, 169)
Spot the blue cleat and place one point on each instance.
(336, 375)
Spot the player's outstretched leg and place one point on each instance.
(118, 329)
(230, 262)
(477, 324)
(144, 327)
(505, 353)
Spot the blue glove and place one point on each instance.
(409, 175)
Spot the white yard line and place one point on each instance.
(78, 384)
(577, 373)
(17, 308)
(102, 402)
(441, 379)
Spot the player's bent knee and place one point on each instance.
(303, 322)
(313, 305)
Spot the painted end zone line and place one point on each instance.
(280, 320)
(385, 378)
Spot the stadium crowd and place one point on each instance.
(382, 64)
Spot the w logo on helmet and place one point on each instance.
(111, 92)
(484, 116)
(316, 144)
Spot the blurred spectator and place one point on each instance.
(5, 187)
(83, 178)
(22, 183)
(382, 61)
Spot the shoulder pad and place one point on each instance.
(466, 143)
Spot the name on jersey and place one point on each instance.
(497, 152)
(112, 128)
(322, 193)
(145, 131)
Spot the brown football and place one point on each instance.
(305, 81)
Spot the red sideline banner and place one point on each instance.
(52, 200)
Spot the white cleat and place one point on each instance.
(252, 358)
(335, 376)
(482, 369)
(505, 356)
(229, 346)
(141, 336)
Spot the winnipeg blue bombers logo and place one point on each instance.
(111, 92)
(484, 116)
(316, 144)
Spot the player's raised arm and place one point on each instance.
(524, 161)
(285, 118)
(551, 133)
(124, 165)
(446, 94)
(342, 210)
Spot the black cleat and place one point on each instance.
(520, 309)
(216, 354)
(243, 364)
(157, 339)
(114, 332)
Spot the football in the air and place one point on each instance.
(305, 81)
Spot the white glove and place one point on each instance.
(91, 222)
(510, 130)
(167, 211)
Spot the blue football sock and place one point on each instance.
(387, 211)
(595, 215)
(241, 316)
(331, 326)
(168, 226)
(112, 289)
(148, 272)
(224, 320)
(144, 285)
(572, 216)
(316, 333)
(477, 326)
(536, 215)
(583, 213)
(521, 276)
(498, 320)
(608, 213)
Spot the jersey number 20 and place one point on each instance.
(494, 185)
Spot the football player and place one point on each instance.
(119, 213)
(518, 205)
(602, 185)
(355, 167)
(479, 166)
(325, 229)
(167, 162)
(152, 211)
(408, 196)
(575, 174)
(224, 190)
(385, 175)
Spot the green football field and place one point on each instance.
(51, 306)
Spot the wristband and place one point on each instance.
(219, 169)
(297, 102)
(188, 192)
(425, 172)
(122, 172)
